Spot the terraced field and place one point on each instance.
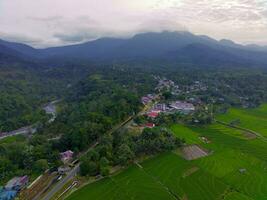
(133, 183)
(236, 169)
(253, 119)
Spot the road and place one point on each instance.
(56, 188)
(70, 175)
(62, 182)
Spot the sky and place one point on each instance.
(45, 23)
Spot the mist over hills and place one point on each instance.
(183, 47)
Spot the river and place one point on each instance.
(49, 108)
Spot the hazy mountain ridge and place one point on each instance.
(177, 46)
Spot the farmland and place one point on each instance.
(253, 119)
(236, 167)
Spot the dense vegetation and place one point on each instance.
(90, 109)
(95, 99)
(122, 148)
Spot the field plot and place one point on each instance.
(193, 152)
(236, 196)
(133, 183)
(184, 179)
(186, 133)
(253, 119)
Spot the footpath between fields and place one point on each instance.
(243, 129)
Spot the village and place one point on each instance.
(19, 186)
(155, 104)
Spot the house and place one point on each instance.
(150, 125)
(145, 100)
(183, 107)
(8, 194)
(160, 107)
(148, 98)
(17, 183)
(66, 156)
(153, 114)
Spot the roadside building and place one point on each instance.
(66, 156)
(148, 98)
(145, 100)
(17, 183)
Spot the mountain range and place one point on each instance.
(183, 47)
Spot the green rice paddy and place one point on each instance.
(253, 119)
(236, 169)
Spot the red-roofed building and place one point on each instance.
(149, 125)
(153, 114)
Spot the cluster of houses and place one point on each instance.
(16, 184)
(195, 87)
(173, 107)
(11, 189)
(164, 83)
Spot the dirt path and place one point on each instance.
(158, 181)
(243, 129)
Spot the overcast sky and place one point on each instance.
(43, 23)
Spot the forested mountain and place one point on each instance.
(179, 47)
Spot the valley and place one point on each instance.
(169, 115)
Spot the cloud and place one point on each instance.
(46, 23)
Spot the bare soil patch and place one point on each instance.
(193, 152)
(249, 135)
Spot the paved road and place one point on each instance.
(56, 188)
(62, 182)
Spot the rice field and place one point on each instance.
(236, 168)
(253, 119)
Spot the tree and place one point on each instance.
(88, 167)
(104, 171)
(40, 165)
(124, 155)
